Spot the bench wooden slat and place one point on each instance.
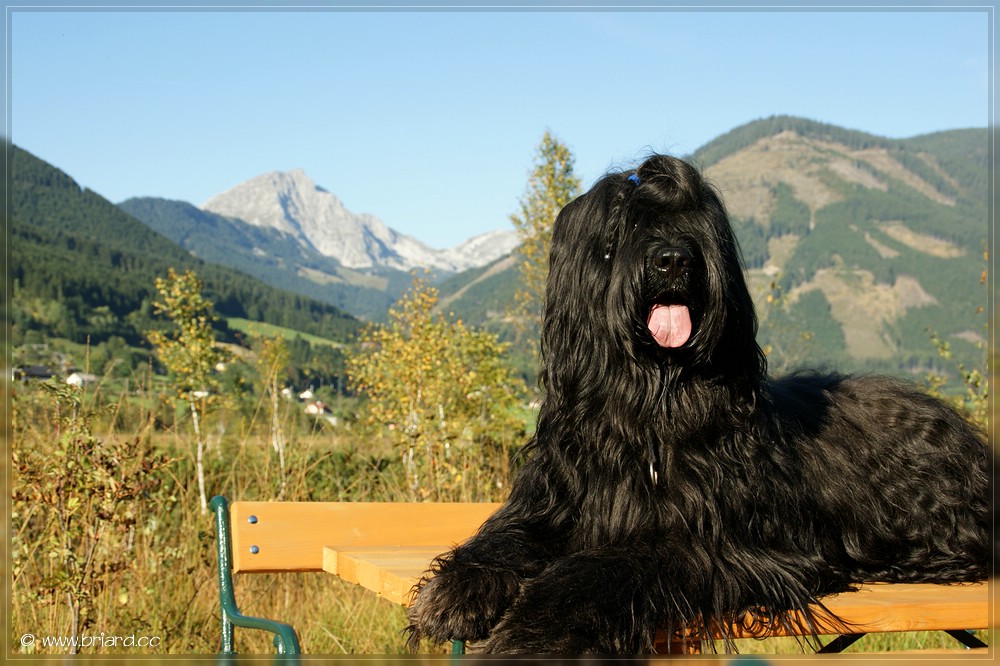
(914, 606)
(290, 536)
(879, 607)
(390, 571)
(875, 607)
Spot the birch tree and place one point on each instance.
(442, 392)
(189, 353)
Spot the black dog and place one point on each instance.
(672, 484)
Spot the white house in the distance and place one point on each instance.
(81, 379)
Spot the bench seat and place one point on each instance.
(387, 546)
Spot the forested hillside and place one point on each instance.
(860, 249)
(82, 269)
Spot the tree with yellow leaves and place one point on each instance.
(189, 352)
(444, 394)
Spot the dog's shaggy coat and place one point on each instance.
(670, 483)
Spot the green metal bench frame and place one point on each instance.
(286, 641)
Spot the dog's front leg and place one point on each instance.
(469, 588)
(601, 601)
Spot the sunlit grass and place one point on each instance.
(170, 587)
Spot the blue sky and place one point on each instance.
(430, 119)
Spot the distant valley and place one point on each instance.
(858, 247)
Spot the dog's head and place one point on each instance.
(645, 269)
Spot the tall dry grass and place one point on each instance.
(151, 551)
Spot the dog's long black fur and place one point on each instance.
(670, 482)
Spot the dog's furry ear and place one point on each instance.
(575, 328)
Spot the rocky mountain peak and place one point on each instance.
(292, 203)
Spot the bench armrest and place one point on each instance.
(285, 639)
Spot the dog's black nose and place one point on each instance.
(673, 261)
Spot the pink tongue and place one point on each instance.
(670, 325)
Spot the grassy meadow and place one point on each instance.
(108, 539)
(122, 547)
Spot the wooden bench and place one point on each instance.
(386, 546)
(272, 537)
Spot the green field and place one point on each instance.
(263, 329)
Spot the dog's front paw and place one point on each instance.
(514, 635)
(460, 603)
(582, 604)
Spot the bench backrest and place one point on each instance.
(290, 536)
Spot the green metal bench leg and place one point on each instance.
(285, 639)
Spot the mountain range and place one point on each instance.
(859, 249)
(293, 204)
(296, 235)
(872, 245)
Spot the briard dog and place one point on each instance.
(670, 483)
